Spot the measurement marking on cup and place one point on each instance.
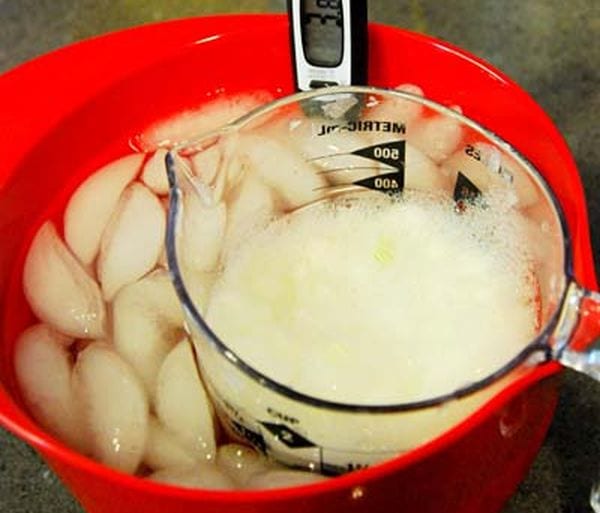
(282, 416)
(255, 439)
(492, 162)
(465, 191)
(392, 183)
(346, 169)
(364, 126)
(391, 154)
(287, 436)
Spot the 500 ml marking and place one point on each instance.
(385, 152)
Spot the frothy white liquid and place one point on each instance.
(378, 301)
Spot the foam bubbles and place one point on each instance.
(360, 300)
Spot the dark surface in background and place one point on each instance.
(550, 47)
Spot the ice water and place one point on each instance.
(362, 299)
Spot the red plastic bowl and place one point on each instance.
(65, 114)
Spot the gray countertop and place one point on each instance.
(550, 47)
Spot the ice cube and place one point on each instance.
(90, 208)
(163, 450)
(206, 163)
(284, 170)
(194, 123)
(437, 136)
(147, 323)
(397, 110)
(43, 368)
(201, 237)
(182, 404)
(132, 241)
(59, 290)
(113, 405)
(154, 173)
(162, 261)
(198, 286)
(271, 479)
(422, 173)
(251, 207)
(202, 475)
(241, 462)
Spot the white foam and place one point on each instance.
(378, 301)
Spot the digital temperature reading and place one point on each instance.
(323, 32)
(329, 42)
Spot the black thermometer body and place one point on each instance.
(329, 42)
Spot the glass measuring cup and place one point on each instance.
(345, 145)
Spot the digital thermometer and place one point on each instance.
(329, 42)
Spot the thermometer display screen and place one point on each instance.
(322, 32)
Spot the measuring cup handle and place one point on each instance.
(582, 350)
